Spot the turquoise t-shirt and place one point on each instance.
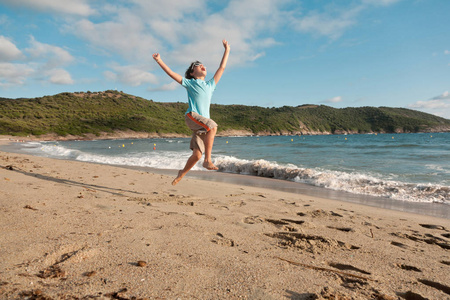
(199, 95)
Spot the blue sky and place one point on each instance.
(283, 52)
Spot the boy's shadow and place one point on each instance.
(106, 189)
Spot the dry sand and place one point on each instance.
(72, 230)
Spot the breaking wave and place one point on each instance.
(336, 180)
(353, 182)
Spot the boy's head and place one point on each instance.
(195, 70)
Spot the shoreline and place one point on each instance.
(439, 210)
(72, 229)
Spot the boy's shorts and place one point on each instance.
(199, 126)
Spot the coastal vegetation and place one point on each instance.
(84, 113)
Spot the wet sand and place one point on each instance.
(439, 210)
(73, 230)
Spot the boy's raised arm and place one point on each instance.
(223, 63)
(175, 76)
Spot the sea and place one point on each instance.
(407, 167)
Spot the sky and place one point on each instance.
(342, 53)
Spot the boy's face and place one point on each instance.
(199, 71)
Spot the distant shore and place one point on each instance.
(144, 135)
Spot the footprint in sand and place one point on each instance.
(54, 271)
(309, 243)
(399, 245)
(283, 224)
(219, 239)
(318, 213)
(431, 226)
(187, 203)
(330, 293)
(288, 202)
(298, 222)
(346, 210)
(140, 200)
(212, 218)
(345, 267)
(238, 203)
(436, 285)
(68, 253)
(427, 238)
(410, 295)
(344, 229)
(408, 268)
(253, 220)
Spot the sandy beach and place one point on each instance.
(73, 230)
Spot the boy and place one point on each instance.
(197, 116)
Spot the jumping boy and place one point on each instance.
(197, 116)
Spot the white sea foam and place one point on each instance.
(31, 144)
(437, 168)
(154, 159)
(52, 150)
(368, 184)
(349, 182)
(168, 160)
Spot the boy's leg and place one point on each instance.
(192, 160)
(208, 139)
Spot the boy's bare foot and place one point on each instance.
(209, 166)
(179, 177)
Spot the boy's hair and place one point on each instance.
(191, 69)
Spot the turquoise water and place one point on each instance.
(409, 167)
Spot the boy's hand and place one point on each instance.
(156, 57)
(226, 45)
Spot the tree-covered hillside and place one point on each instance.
(109, 111)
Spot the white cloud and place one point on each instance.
(166, 87)
(444, 96)
(446, 52)
(14, 74)
(110, 75)
(39, 61)
(439, 105)
(183, 30)
(52, 55)
(334, 20)
(126, 36)
(186, 30)
(8, 51)
(431, 104)
(333, 100)
(332, 24)
(170, 9)
(130, 75)
(74, 7)
(48, 60)
(59, 76)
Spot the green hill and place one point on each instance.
(93, 113)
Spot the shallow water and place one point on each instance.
(407, 167)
